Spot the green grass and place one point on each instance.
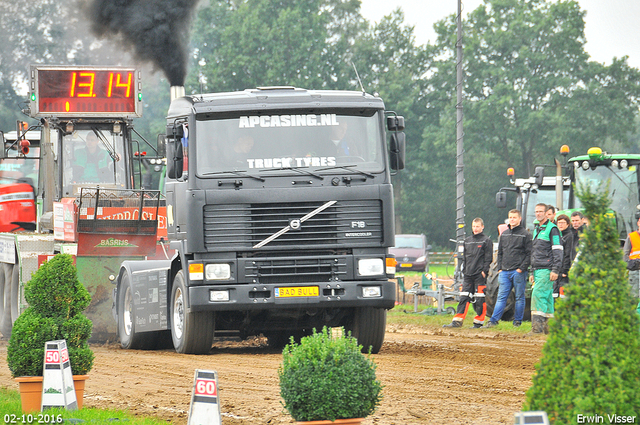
(403, 315)
(440, 269)
(10, 405)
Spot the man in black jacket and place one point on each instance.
(568, 254)
(577, 226)
(514, 257)
(478, 253)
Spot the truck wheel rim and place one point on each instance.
(178, 314)
(126, 316)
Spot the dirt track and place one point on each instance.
(430, 376)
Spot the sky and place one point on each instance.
(612, 27)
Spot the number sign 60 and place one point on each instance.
(206, 387)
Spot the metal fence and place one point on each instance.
(440, 257)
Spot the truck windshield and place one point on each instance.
(93, 156)
(409, 242)
(321, 142)
(623, 190)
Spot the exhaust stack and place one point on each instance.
(176, 92)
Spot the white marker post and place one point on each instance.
(205, 406)
(57, 383)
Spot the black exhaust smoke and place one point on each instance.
(156, 30)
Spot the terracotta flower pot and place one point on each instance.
(353, 421)
(78, 383)
(31, 391)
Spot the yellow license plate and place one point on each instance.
(406, 265)
(298, 291)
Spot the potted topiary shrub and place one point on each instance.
(327, 380)
(56, 301)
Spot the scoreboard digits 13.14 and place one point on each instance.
(85, 91)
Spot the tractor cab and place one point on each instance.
(93, 155)
(621, 173)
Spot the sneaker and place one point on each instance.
(454, 324)
(477, 325)
(491, 324)
(517, 323)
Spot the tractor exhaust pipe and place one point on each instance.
(177, 92)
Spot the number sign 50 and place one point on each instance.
(52, 356)
(206, 387)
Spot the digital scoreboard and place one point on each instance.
(89, 91)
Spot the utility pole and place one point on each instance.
(459, 152)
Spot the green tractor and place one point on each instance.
(621, 170)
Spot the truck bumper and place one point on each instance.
(275, 296)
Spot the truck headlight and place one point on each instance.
(370, 267)
(421, 259)
(218, 271)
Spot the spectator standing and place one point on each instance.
(568, 254)
(477, 257)
(513, 259)
(546, 263)
(577, 227)
(632, 257)
(551, 213)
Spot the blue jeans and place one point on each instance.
(507, 280)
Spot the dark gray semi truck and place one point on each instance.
(279, 214)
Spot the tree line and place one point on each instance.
(529, 85)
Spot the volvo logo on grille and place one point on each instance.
(295, 224)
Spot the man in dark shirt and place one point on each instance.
(514, 257)
(577, 226)
(568, 254)
(478, 253)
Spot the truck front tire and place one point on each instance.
(192, 332)
(368, 327)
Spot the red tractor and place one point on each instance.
(18, 179)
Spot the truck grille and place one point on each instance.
(241, 226)
(295, 270)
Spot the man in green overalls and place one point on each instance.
(546, 262)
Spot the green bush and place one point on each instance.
(56, 300)
(25, 354)
(589, 364)
(55, 291)
(328, 378)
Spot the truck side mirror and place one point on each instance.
(395, 123)
(397, 148)
(174, 159)
(175, 131)
(501, 200)
(161, 145)
(539, 176)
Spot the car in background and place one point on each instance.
(411, 252)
